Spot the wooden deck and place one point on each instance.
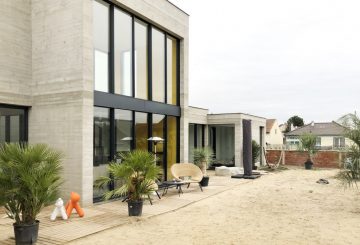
(100, 217)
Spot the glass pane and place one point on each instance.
(141, 131)
(158, 66)
(141, 57)
(171, 144)
(101, 45)
(122, 62)
(14, 128)
(171, 71)
(101, 135)
(123, 130)
(2, 129)
(199, 137)
(223, 143)
(158, 131)
(101, 145)
(191, 141)
(12, 125)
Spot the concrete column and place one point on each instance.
(238, 144)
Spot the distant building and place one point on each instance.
(274, 135)
(330, 135)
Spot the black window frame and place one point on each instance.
(25, 127)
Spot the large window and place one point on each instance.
(141, 131)
(141, 60)
(101, 145)
(158, 131)
(171, 66)
(171, 144)
(158, 65)
(196, 138)
(222, 141)
(122, 52)
(139, 57)
(123, 130)
(101, 45)
(12, 124)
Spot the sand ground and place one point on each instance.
(282, 208)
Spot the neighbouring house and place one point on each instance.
(93, 78)
(330, 135)
(274, 135)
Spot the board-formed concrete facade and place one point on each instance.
(46, 64)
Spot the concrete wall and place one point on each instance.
(15, 52)
(62, 87)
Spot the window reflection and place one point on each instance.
(12, 125)
(158, 131)
(171, 67)
(122, 56)
(141, 63)
(123, 131)
(141, 131)
(158, 65)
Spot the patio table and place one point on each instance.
(165, 185)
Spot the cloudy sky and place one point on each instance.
(275, 58)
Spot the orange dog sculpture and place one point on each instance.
(74, 203)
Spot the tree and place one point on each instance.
(308, 143)
(295, 121)
(350, 174)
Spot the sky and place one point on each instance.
(275, 58)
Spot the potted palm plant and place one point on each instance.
(29, 180)
(255, 153)
(202, 158)
(137, 172)
(308, 143)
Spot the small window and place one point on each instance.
(318, 141)
(13, 123)
(339, 142)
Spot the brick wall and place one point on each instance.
(323, 159)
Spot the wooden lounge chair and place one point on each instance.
(182, 170)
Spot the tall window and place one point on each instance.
(171, 70)
(101, 135)
(12, 125)
(123, 130)
(122, 55)
(158, 131)
(101, 45)
(171, 144)
(101, 145)
(141, 131)
(141, 60)
(158, 65)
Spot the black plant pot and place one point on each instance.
(205, 181)
(308, 164)
(26, 234)
(135, 208)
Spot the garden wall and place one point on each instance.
(323, 159)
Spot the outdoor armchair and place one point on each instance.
(187, 173)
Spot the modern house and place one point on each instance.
(223, 133)
(96, 77)
(330, 135)
(274, 135)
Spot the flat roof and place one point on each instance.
(178, 8)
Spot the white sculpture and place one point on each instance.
(59, 209)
